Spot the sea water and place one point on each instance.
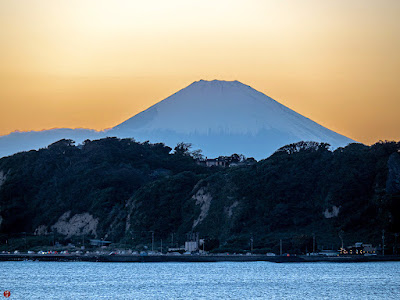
(222, 280)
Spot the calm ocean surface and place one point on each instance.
(223, 280)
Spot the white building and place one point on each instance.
(191, 246)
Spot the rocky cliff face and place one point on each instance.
(76, 225)
(203, 199)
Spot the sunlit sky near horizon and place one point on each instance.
(95, 63)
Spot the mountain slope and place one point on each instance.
(223, 117)
(220, 117)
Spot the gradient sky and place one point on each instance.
(95, 63)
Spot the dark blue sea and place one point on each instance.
(223, 280)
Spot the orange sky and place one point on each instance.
(95, 63)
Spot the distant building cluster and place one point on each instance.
(359, 249)
(226, 161)
(192, 244)
(213, 162)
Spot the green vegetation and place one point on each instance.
(134, 189)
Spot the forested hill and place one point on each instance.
(118, 189)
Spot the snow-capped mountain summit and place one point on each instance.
(209, 107)
(225, 117)
(219, 117)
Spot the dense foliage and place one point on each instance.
(133, 189)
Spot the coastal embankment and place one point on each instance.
(196, 258)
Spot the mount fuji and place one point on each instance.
(219, 117)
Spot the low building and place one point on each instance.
(356, 249)
(99, 243)
(369, 249)
(329, 253)
(191, 246)
(214, 162)
(178, 249)
(359, 248)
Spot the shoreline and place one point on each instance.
(196, 258)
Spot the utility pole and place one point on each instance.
(383, 242)
(172, 240)
(280, 246)
(341, 239)
(313, 243)
(161, 246)
(26, 247)
(152, 241)
(251, 244)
